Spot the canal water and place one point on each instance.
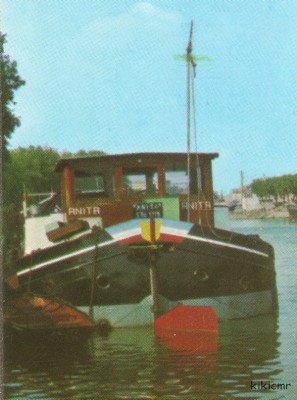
(132, 364)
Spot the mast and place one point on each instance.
(191, 112)
(189, 53)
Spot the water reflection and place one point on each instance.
(248, 352)
(134, 364)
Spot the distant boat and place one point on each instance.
(35, 314)
(233, 204)
(230, 205)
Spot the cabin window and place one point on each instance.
(177, 181)
(94, 183)
(140, 181)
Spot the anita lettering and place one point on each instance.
(83, 211)
(196, 205)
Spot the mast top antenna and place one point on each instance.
(189, 47)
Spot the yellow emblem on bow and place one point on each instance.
(150, 230)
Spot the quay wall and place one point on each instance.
(277, 213)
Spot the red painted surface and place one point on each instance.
(192, 328)
(201, 342)
(69, 185)
(171, 238)
(163, 237)
(131, 239)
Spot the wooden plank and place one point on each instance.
(67, 230)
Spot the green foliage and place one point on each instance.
(279, 186)
(82, 153)
(10, 82)
(31, 170)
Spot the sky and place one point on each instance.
(102, 75)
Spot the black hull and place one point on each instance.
(112, 267)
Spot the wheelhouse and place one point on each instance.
(111, 189)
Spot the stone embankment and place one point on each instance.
(275, 213)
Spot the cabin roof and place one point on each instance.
(128, 158)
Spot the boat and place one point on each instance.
(231, 206)
(292, 210)
(37, 316)
(97, 249)
(134, 236)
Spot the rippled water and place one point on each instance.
(133, 364)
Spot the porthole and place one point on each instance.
(103, 281)
(201, 275)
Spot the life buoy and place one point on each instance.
(201, 275)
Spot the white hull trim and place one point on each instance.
(65, 257)
(180, 229)
(227, 307)
(118, 235)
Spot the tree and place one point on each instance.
(82, 153)
(30, 169)
(10, 82)
(278, 186)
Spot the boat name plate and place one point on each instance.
(148, 210)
